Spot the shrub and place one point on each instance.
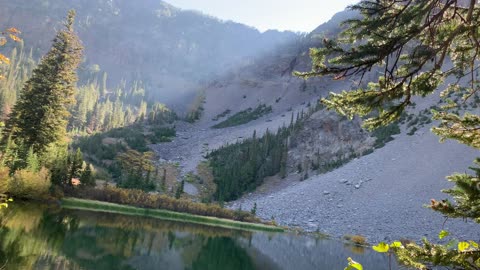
(143, 199)
(29, 184)
(356, 239)
(4, 177)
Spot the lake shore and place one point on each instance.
(98, 206)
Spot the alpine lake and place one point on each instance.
(42, 237)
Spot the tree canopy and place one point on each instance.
(418, 47)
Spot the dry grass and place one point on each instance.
(356, 239)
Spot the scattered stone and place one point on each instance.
(357, 186)
(326, 193)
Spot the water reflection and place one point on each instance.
(37, 237)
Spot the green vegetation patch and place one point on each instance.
(245, 116)
(80, 204)
(114, 151)
(384, 134)
(107, 145)
(221, 115)
(241, 167)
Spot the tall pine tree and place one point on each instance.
(40, 116)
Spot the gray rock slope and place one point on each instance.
(380, 196)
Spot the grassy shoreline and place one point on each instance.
(98, 206)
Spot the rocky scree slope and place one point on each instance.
(380, 195)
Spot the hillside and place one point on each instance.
(398, 179)
(268, 80)
(173, 51)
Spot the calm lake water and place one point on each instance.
(37, 237)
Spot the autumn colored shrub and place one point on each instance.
(139, 198)
(356, 239)
(4, 176)
(27, 184)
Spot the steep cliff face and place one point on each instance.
(325, 142)
(172, 50)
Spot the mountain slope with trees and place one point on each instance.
(146, 40)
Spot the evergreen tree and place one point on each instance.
(86, 177)
(75, 163)
(254, 209)
(39, 118)
(59, 169)
(409, 42)
(33, 164)
(164, 180)
(136, 170)
(179, 192)
(242, 166)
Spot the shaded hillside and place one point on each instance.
(171, 50)
(269, 80)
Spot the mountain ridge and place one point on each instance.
(172, 51)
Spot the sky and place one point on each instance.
(294, 15)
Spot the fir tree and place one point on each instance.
(179, 191)
(39, 118)
(75, 163)
(86, 178)
(33, 164)
(59, 169)
(254, 209)
(164, 180)
(243, 166)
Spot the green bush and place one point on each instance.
(30, 185)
